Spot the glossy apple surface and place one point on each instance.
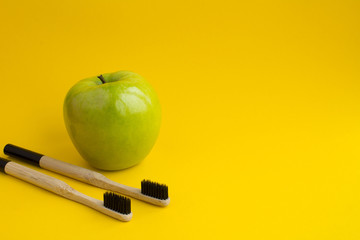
(113, 120)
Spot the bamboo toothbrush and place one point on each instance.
(114, 205)
(150, 192)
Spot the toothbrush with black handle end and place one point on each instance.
(114, 205)
(151, 192)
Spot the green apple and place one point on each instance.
(113, 119)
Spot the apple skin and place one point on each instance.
(115, 124)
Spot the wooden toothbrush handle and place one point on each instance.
(96, 179)
(73, 171)
(64, 168)
(79, 173)
(57, 186)
(39, 179)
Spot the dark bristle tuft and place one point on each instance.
(154, 189)
(117, 203)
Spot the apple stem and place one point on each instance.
(101, 78)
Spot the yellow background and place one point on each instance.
(261, 115)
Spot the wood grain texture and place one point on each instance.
(61, 188)
(97, 179)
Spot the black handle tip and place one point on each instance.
(3, 163)
(23, 154)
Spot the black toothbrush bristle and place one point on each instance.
(154, 189)
(117, 203)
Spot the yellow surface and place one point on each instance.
(261, 115)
